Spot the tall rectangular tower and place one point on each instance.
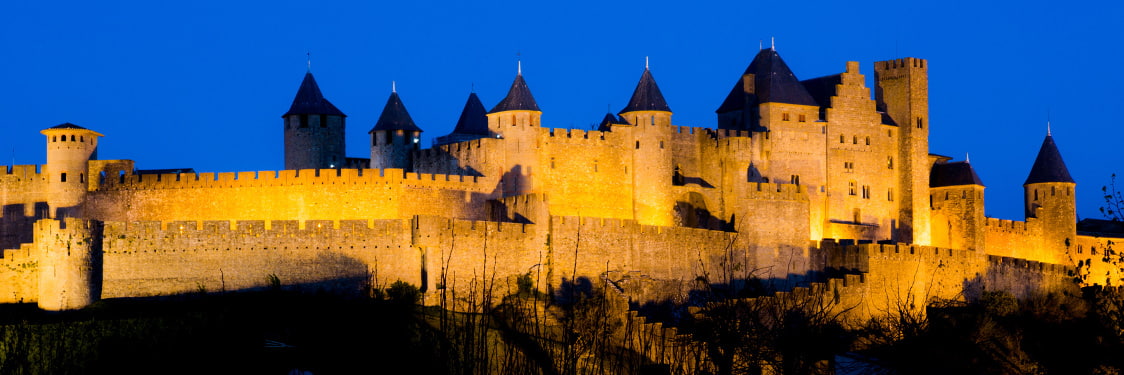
(902, 92)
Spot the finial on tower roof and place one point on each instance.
(645, 62)
(393, 87)
(309, 54)
(773, 43)
(967, 159)
(1047, 128)
(760, 44)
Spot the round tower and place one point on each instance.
(516, 120)
(69, 151)
(69, 263)
(648, 112)
(395, 138)
(1048, 193)
(314, 130)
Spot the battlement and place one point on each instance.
(908, 62)
(390, 176)
(25, 171)
(1029, 265)
(576, 134)
(1007, 226)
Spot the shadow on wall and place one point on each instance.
(452, 165)
(691, 212)
(16, 227)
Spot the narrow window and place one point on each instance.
(81, 138)
(858, 216)
(851, 188)
(784, 116)
(303, 121)
(653, 120)
(81, 177)
(72, 138)
(63, 177)
(890, 194)
(868, 141)
(595, 165)
(1052, 191)
(920, 123)
(637, 145)
(55, 138)
(890, 162)
(661, 145)
(889, 133)
(551, 163)
(801, 118)
(841, 138)
(866, 191)
(795, 179)
(855, 139)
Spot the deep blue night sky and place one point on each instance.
(203, 84)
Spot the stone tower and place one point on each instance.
(69, 253)
(395, 138)
(902, 92)
(957, 206)
(653, 174)
(314, 130)
(69, 151)
(1048, 193)
(516, 119)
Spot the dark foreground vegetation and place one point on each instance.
(276, 332)
(270, 332)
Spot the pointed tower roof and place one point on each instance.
(518, 98)
(953, 174)
(309, 100)
(773, 82)
(474, 119)
(1048, 166)
(647, 96)
(608, 121)
(394, 116)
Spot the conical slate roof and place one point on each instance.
(1048, 166)
(309, 100)
(518, 98)
(474, 117)
(953, 174)
(394, 116)
(647, 96)
(773, 82)
(608, 121)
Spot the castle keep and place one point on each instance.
(797, 178)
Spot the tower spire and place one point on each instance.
(519, 67)
(1047, 128)
(645, 62)
(309, 61)
(967, 158)
(393, 87)
(773, 43)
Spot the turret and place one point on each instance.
(472, 124)
(314, 130)
(957, 199)
(516, 119)
(902, 92)
(69, 254)
(517, 111)
(69, 151)
(395, 138)
(650, 115)
(1048, 193)
(647, 106)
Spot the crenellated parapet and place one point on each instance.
(301, 177)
